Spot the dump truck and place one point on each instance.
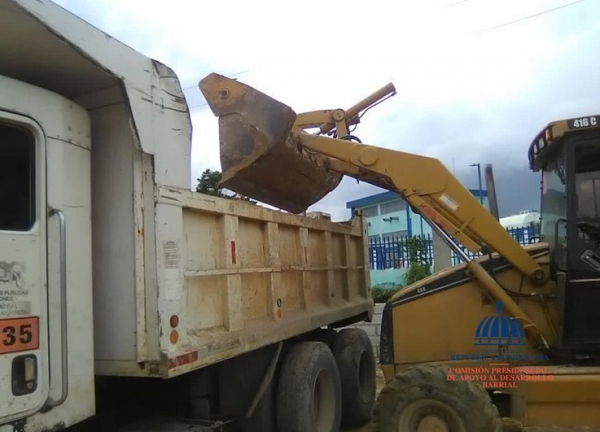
(129, 302)
(510, 337)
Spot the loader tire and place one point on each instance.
(309, 390)
(355, 359)
(422, 397)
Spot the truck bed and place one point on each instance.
(239, 277)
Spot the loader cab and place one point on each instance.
(567, 153)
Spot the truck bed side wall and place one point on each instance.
(239, 277)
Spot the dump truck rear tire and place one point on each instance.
(327, 336)
(355, 359)
(309, 390)
(422, 397)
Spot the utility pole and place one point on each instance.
(479, 176)
(490, 187)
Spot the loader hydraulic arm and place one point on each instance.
(431, 190)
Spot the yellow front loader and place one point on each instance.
(513, 334)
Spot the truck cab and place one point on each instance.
(46, 353)
(63, 86)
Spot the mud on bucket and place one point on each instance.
(260, 154)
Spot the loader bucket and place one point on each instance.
(260, 155)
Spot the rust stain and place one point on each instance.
(233, 252)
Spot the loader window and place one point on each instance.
(17, 179)
(554, 204)
(587, 180)
(586, 244)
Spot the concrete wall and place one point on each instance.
(388, 277)
(373, 329)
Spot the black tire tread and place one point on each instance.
(483, 414)
(298, 367)
(355, 412)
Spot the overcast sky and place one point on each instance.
(476, 79)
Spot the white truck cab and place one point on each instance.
(46, 352)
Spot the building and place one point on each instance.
(319, 215)
(522, 219)
(389, 216)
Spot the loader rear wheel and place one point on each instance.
(309, 390)
(354, 355)
(421, 399)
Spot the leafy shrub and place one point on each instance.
(420, 267)
(382, 294)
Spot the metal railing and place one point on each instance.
(394, 252)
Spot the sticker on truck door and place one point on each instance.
(14, 298)
(20, 334)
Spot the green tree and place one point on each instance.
(209, 183)
(420, 267)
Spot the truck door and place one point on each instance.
(582, 297)
(24, 371)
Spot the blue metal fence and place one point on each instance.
(524, 235)
(393, 253)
